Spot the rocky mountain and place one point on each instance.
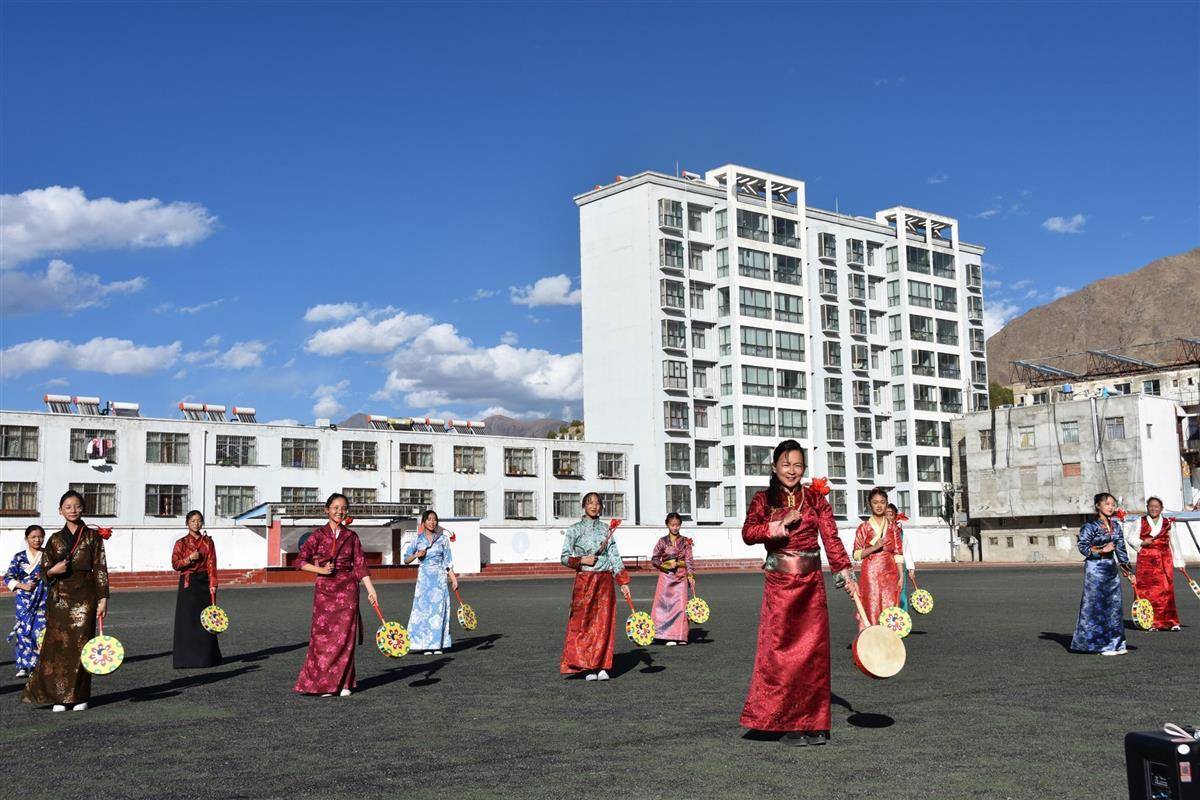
(1157, 303)
(497, 425)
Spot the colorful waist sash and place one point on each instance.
(792, 562)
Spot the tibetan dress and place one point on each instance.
(30, 607)
(590, 639)
(429, 622)
(336, 622)
(671, 595)
(1101, 627)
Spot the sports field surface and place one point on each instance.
(990, 705)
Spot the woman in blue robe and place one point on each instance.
(24, 580)
(1101, 625)
(429, 623)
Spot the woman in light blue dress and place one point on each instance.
(429, 623)
(24, 580)
(1101, 625)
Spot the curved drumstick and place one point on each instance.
(862, 612)
(375, 605)
(1195, 587)
(459, 596)
(630, 601)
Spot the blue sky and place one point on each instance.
(318, 209)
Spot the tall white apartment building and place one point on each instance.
(721, 315)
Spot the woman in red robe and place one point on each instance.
(1156, 564)
(879, 550)
(789, 690)
(334, 554)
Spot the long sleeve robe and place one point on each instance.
(590, 639)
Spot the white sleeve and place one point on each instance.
(906, 546)
(1177, 549)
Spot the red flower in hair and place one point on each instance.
(453, 538)
(612, 525)
(104, 533)
(347, 522)
(1120, 514)
(901, 518)
(820, 486)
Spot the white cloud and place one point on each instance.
(180, 375)
(336, 388)
(991, 284)
(394, 385)
(327, 404)
(331, 312)
(483, 294)
(996, 315)
(552, 291)
(196, 309)
(1065, 225)
(509, 337)
(106, 355)
(1061, 291)
(364, 336)
(213, 341)
(284, 421)
(57, 382)
(59, 288)
(1146, 217)
(939, 178)
(1032, 293)
(58, 219)
(988, 214)
(501, 411)
(1021, 284)
(242, 355)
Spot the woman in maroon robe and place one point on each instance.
(1156, 564)
(334, 554)
(789, 690)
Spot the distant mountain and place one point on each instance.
(1157, 303)
(497, 425)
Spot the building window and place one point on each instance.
(835, 427)
(945, 298)
(88, 443)
(837, 464)
(703, 497)
(19, 442)
(919, 294)
(473, 504)
(833, 390)
(729, 501)
(726, 421)
(758, 421)
(670, 253)
(728, 461)
(670, 214)
(855, 252)
(610, 466)
(827, 246)
(233, 500)
(837, 499)
(975, 308)
(166, 448)
(979, 372)
(700, 378)
(518, 461)
(1152, 387)
(722, 224)
(696, 298)
(976, 335)
(679, 499)
(166, 500)
(924, 398)
(943, 264)
(787, 270)
(567, 464)
(858, 322)
(785, 232)
(612, 505)
(918, 260)
(1114, 427)
(864, 430)
(566, 505)
(703, 456)
(696, 258)
(754, 303)
(726, 381)
(674, 333)
(675, 375)
(358, 494)
(901, 469)
(1070, 432)
(723, 344)
(920, 328)
(670, 293)
(1026, 437)
(754, 264)
(723, 262)
(676, 416)
(829, 318)
(415, 457)
(757, 460)
(236, 451)
(99, 499)
(827, 282)
(299, 453)
(1009, 542)
(18, 499)
(793, 384)
(929, 469)
(833, 354)
(753, 226)
(930, 503)
(922, 363)
(756, 342)
(699, 338)
(985, 440)
(519, 505)
(893, 259)
(758, 381)
(678, 457)
(359, 455)
(898, 397)
(470, 460)
(793, 423)
(947, 331)
(695, 219)
(865, 462)
(299, 494)
(948, 366)
(788, 308)
(789, 346)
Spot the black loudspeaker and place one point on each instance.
(1162, 767)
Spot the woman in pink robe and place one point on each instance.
(672, 557)
(334, 554)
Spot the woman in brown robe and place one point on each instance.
(77, 573)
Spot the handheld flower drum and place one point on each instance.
(466, 614)
(878, 652)
(639, 627)
(102, 654)
(896, 620)
(391, 638)
(697, 609)
(921, 600)
(1143, 612)
(213, 618)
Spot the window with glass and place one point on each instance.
(566, 504)
(827, 282)
(676, 416)
(99, 499)
(519, 505)
(675, 375)
(469, 460)
(670, 293)
(1070, 432)
(785, 232)
(833, 390)
(757, 460)
(930, 503)
(670, 253)
(896, 358)
(901, 469)
(695, 219)
(929, 468)
(855, 251)
(729, 501)
(865, 463)
(473, 505)
(1026, 437)
(298, 453)
(922, 363)
(20, 443)
(947, 331)
(862, 393)
(703, 455)
(700, 378)
(898, 397)
(951, 401)
(919, 294)
(918, 259)
(679, 499)
(873, 253)
(1114, 427)
(567, 463)
(945, 298)
(974, 275)
(829, 318)
(895, 330)
(974, 307)
(920, 328)
(754, 303)
(756, 342)
(927, 433)
(758, 421)
(726, 380)
(925, 397)
(859, 357)
(696, 258)
(948, 366)
(723, 263)
(792, 384)
(299, 494)
(610, 466)
(87, 442)
(863, 430)
(703, 497)
(793, 422)
(832, 354)
(612, 505)
(518, 462)
(835, 427)
(699, 337)
(752, 225)
(670, 214)
(892, 257)
(236, 451)
(789, 346)
(728, 461)
(166, 448)
(789, 308)
(754, 264)
(827, 246)
(943, 264)
(837, 500)
(696, 292)
(362, 495)
(233, 500)
(674, 333)
(678, 457)
(977, 339)
(723, 302)
(166, 500)
(837, 463)
(415, 457)
(726, 421)
(758, 381)
(985, 440)
(722, 224)
(788, 270)
(978, 372)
